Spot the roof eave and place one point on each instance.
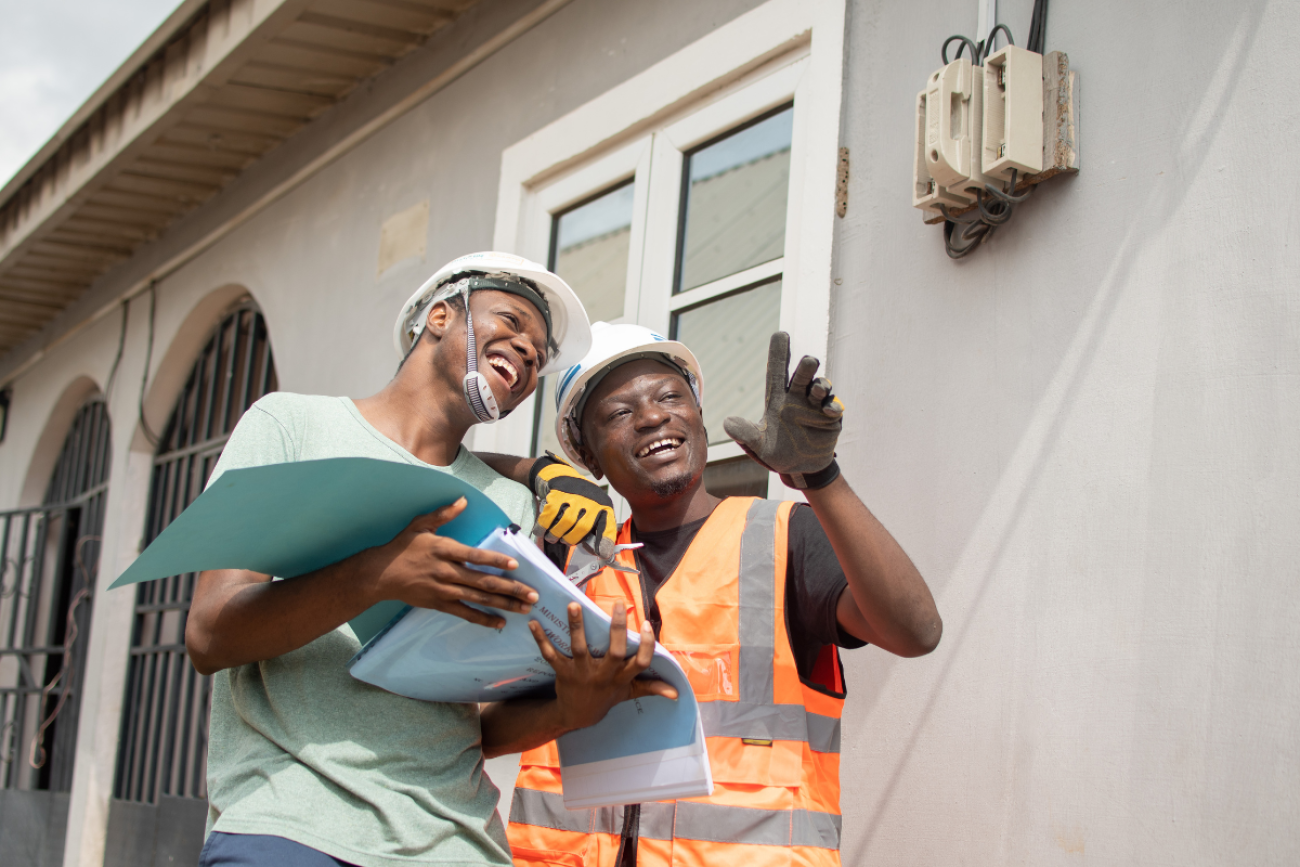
(175, 23)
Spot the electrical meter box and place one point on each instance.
(948, 168)
(1013, 113)
(927, 193)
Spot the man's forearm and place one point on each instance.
(891, 605)
(241, 617)
(521, 724)
(513, 468)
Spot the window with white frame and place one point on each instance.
(691, 218)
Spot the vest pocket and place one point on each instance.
(779, 763)
(545, 857)
(712, 669)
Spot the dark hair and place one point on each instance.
(455, 302)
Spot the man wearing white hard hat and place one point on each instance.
(307, 765)
(753, 597)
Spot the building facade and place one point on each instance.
(1079, 432)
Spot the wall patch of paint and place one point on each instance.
(403, 236)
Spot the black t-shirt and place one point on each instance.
(813, 582)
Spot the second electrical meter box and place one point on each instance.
(1013, 113)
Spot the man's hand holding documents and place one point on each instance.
(587, 685)
(647, 749)
(426, 570)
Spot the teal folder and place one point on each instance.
(290, 519)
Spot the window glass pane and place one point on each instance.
(590, 245)
(729, 337)
(736, 477)
(734, 202)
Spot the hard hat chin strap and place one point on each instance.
(478, 393)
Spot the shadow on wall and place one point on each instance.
(169, 370)
(1007, 429)
(50, 445)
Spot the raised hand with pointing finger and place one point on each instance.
(800, 425)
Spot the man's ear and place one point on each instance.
(589, 460)
(438, 320)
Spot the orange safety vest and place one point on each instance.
(773, 740)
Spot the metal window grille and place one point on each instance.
(48, 560)
(163, 745)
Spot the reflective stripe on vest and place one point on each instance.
(755, 715)
(768, 809)
(757, 606)
(685, 820)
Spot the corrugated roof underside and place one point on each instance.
(209, 104)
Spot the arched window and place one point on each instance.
(47, 578)
(163, 745)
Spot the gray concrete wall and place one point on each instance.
(32, 826)
(1085, 436)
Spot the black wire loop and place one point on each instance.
(965, 40)
(962, 233)
(992, 37)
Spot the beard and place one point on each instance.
(665, 488)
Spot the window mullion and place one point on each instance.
(664, 202)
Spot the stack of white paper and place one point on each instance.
(651, 749)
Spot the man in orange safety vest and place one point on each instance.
(753, 597)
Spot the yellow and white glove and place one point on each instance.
(801, 422)
(574, 509)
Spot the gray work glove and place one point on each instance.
(801, 422)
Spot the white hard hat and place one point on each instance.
(570, 330)
(611, 346)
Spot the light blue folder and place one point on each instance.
(437, 656)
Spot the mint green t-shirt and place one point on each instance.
(298, 748)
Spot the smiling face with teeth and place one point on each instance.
(643, 430)
(511, 340)
(510, 337)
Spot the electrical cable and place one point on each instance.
(992, 37)
(37, 754)
(148, 359)
(962, 233)
(121, 345)
(979, 51)
(1038, 27)
(965, 40)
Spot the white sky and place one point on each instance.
(53, 55)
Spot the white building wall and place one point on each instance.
(1085, 435)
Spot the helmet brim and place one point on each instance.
(571, 392)
(570, 327)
